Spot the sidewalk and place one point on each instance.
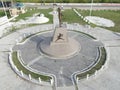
(108, 79)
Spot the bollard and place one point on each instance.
(16, 68)
(51, 81)
(21, 72)
(20, 39)
(77, 79)
(30, 77)
(27, 35)
(16, 41)
(39, 80)
(87, 76)
(24, 35)
(102, 68)
(95, 72)
(82, 17)
(88, 22)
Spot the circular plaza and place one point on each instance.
(62, 69)
(28, 63)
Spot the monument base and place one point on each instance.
(60, 50)
(61, 46)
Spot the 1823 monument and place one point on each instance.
(60, 53)
(60, 46)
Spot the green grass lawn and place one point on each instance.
(30, 13)
(2, 13)
(96, 67)
(71, 17)
(25, 71)
(108, 14)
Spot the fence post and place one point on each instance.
(39, 80)
(51, 81)
(82, 17)
(77, 79)
(16, 68)
(20, 39)
(102, 67)
(30, 77)
(24, 35)
(21, 72)
(17, 41)
(89, 22)
(87, 76)
(95, 72)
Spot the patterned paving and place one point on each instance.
(62, 69)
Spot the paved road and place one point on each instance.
(98, 6)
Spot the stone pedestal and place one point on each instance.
(61, 46)
(60, 36)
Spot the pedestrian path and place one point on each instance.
(108, 79)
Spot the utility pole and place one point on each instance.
(91, 8)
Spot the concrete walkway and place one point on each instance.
(107, 79)
(63, 70)
(9, 80)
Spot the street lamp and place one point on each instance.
(91, 7)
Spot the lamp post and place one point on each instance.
(91, 7)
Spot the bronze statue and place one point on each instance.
(60, 16)
(59, 37)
